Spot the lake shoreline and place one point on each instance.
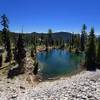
(80, 70)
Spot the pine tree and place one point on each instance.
(15, 53)
(33, 49)
(62, 44)
(42, 39)
(90, 57)
(50, 37)
(83, 37)
(5, 37)
(71, 42)
(50, 33)
(98, 51)
(8, 49)
(20, 53)
(77, 43)
(0, 39)
(4, 23)
(34, 44)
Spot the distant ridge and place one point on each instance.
(57, 35)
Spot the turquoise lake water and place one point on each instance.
(58, 62)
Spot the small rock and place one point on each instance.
(21, 87)
(14, 96)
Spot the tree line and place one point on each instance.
(14, 51)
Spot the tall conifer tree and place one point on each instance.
(5, 37)
(98, 51)
(20, 53)
(83, 37)
(91, 51)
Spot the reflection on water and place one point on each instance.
(58, 62)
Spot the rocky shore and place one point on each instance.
(83, 86)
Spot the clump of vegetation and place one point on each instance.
(32, 53)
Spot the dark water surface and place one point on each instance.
(57, 62)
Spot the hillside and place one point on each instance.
(57, 35)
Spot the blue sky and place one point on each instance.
(59, 15)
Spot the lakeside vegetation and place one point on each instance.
(15, 47)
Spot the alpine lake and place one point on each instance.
(56, 63)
